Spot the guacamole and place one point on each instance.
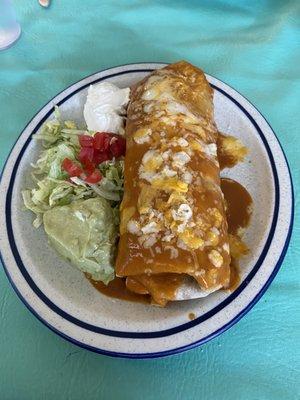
(85, 232)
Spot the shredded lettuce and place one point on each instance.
(60, 140)
(57, 131)
(111, 185)
(50, 193)
(50, 161)
(114, 172)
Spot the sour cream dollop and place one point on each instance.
(105, 107)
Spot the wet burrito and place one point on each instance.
(173, 222)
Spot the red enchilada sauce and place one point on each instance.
(238, 211)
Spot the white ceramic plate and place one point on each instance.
(66, 302)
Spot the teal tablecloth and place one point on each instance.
(252, 45)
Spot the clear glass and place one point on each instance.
(10, 29)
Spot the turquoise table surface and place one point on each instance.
(252, 45)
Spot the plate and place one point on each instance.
(67, 303)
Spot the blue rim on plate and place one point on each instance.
(176, 329)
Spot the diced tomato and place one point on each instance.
(71, 167)
(118, 146)
(101, 141)
(89, 167)
(66, 164)
(100, 156)
(94, 177)
(86, 141)
(86, 154)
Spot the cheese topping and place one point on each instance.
(184, 213)
(182, 142)
(216, 258)
(180, 159)
(142, 135)
(168, 176)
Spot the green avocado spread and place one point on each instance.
(85, 233)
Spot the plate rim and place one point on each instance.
(225, 326)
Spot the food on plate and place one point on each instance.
(230, 151)
(172, 218)
(135, 199)
(85, 233)
(105, 108)
(79, 185)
